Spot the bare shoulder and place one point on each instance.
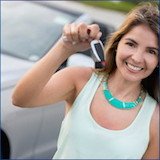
(79, 73)
(153, 147)
(79, 76)
(75, 73)
(155, 121)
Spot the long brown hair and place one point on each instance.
(148, 14)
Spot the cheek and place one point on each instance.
(121, 55)
(152, 61)
(122, 52)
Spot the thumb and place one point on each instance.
(99, 35)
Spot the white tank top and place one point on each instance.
(81, 137)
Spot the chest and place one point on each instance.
(108, 116)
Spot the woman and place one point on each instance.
(112, 113)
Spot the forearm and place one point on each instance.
(35, 79)
(34, 87)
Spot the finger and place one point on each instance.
(94, 30)
(74, 33)
(67, 33)
(82, 29)
(98, 36)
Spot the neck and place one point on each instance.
(124, 90)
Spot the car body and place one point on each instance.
(29, 29)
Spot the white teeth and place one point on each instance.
(135, 68)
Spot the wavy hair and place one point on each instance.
(144, 13)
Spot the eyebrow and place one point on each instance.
(137, 43)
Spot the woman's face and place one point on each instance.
(137, 53)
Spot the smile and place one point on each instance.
(133, 67)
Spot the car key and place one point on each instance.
(98, 51)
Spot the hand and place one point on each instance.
(77, 37)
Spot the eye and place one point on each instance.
(151, 51)
(130, 44)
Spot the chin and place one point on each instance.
(132, 78)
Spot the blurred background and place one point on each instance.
(28, 30)
(117, 5)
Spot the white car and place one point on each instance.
(28, 31)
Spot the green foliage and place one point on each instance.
(118, 6)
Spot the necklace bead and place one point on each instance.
(116, 102)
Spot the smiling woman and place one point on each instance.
(149, 24)
(110, 113)
(143, 53)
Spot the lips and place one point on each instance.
(133, 67)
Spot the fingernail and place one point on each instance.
(88, 31)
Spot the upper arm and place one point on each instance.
(61, 86)
(153, 148)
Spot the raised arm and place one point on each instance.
(41, 85)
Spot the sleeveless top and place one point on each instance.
(81, 137)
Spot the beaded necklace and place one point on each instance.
(116, 102)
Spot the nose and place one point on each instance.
(138, 56)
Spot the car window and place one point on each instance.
(29, 29)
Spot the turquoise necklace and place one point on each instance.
(117, 103)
